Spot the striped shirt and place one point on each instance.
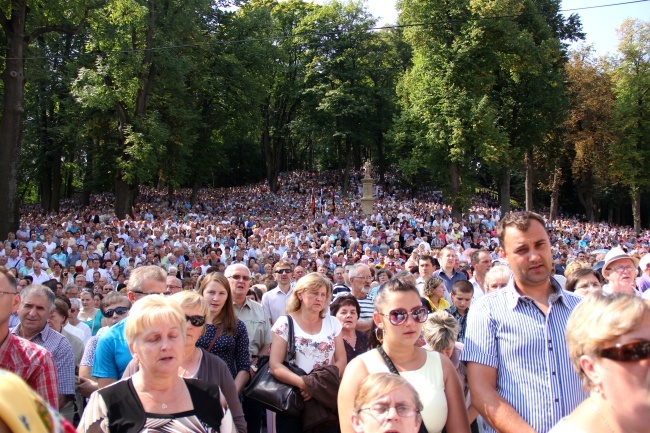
(367, 305)
(508, 332)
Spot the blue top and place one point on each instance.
(508, 331)
(95, 323)
(233, 350)
(112, 354)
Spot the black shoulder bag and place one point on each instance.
(269, 392)
(392, 369)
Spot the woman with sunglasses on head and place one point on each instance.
(612, 355)
(386, 402)
(225, 335)
(198, 363)
(115, 307)
(399, 316)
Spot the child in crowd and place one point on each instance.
(461, 295)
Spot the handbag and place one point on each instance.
(269, 392)
(392, 369)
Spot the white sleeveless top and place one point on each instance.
(428, 381)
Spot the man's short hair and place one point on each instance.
(476, 256)
(354, 270)
(462, 286)
(283, 264)
(10, 277)
(142, 273)
(519, 220)
(428, 258)
(38, 290)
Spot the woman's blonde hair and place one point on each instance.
(310, 282)
(598, 320)
(440, 330)
(227, 317)
(380, 384)
(189, 299)
(152, 310)
(572, 267)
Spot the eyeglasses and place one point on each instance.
(8, 293)
(141, 293)
(196, 320)
(629, 352)
(174, 287)
(240, 277)
(73, 310)
(117, 310)
(400, 315)
(621, 269)
(363, 278)
(381, 410)
(283, 271)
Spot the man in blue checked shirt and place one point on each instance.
(519, 373)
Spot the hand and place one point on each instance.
(304, 392)
(86, 386)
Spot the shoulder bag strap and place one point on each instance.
(389, 363)
(291, 342)
(217, 332)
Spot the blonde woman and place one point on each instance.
(612, 355)
(317, 338)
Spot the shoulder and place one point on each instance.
(241, 327)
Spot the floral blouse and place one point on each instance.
(311, 350)
(232, 350)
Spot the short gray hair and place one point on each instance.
(143, 273)
(38, 290)
(354, 270)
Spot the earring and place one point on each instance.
(380, 339)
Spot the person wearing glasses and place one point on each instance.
(115, 307)
(399, 315)
(275, 301)
(360, 279)
(173, 285)
(225, 335)
(620, 270)
(386, 402)
(156, 398)
(583, 281)
(112, 354)
(612, 357)
(198, 363)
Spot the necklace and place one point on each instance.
(190, 363)
(351, 341)
(600, 416)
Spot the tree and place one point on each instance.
(632, 86)
(23, 22)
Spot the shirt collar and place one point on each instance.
(514, 297)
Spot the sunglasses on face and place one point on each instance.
(283, 271)
(117, 310)
(195, 320)
(629, 352)
(399, 315)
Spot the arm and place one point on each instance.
(364, 325)
(340, 358)
(242, 357)
(485, 398)
(355, 372)
(277, 369)
(457, 420)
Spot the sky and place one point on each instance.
(599, 24)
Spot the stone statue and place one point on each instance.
(368, 167)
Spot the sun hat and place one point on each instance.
(616, 254)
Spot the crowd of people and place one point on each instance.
(408, 319)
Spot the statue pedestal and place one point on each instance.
(368, 200)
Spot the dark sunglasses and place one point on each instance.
(118, 310)
(283, 271)
(629, 352)
(399, 315)
(196, 320)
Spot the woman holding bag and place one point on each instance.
(317, 337)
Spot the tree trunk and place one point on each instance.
(636, 208)
(194, 198)
(11, 123)
(530, 181)
(346, 170)
(555, 192)
(55, 201)
(46, 186)
(454, 182)
(504, 191)
(123, 197)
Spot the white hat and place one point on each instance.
(615, 254)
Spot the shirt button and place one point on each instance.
(557, 400)
(553, 373)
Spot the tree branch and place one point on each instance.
(47, 29)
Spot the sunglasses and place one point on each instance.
(240, 277)
(118, 310)
(196, 320)
(283, 271)
(399, 315)
(629, 352)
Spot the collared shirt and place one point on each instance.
(449, 281)
(62, 353)
(508, 332)
(478, 290)
(257, 325)
(33, 364)
(275, 303)
(462, 322)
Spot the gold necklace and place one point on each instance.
(191, 363)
